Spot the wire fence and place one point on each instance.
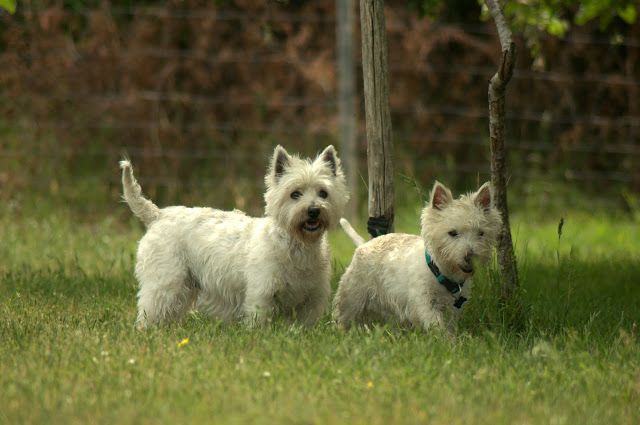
(179, 87)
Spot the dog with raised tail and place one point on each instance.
(420, 280)
(239, 268)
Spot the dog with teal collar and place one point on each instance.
(420, 280)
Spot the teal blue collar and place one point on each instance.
(451, 285)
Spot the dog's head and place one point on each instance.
(305, 197)
(458, 232)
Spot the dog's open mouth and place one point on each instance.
(311, 225)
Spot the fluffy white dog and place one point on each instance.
(420, 280)
(235, 267)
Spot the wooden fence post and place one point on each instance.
(375, 70)
(346, 93)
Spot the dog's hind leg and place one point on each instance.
(166, 300)
(168, 290)
(351, 299)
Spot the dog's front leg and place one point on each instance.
(259, 304)
(438, 320)
(313, 309)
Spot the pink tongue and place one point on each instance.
(312, 224)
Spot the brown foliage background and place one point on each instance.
(198, 95)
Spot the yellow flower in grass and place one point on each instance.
(369, 384)
(183, 342)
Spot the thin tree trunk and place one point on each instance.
(497, 92)
(375, 71)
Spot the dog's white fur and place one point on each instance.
(235, 267)
(389, 279)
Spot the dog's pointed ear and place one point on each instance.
(440, 196)
(482, 198)
(280, 161)
(330, 157)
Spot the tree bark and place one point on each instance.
(375, 71)
(497, 92)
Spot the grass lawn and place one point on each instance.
(69, 353)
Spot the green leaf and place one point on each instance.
(9, 5)
(557, 27)
(588, 11)
(628, 14)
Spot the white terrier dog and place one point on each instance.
(420, 280)
(235, 267)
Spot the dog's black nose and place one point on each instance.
(313, 212)
(468, 257)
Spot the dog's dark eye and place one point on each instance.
(481, 233)
(453, 233)
(323, 194)
(296, 195)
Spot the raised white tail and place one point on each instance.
(146, 210)
(350, 231)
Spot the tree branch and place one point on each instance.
(504, 32)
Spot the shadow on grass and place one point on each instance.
(591, 297)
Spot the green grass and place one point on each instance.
(69, 353)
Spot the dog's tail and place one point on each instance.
(147, 211)
(350, 231)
